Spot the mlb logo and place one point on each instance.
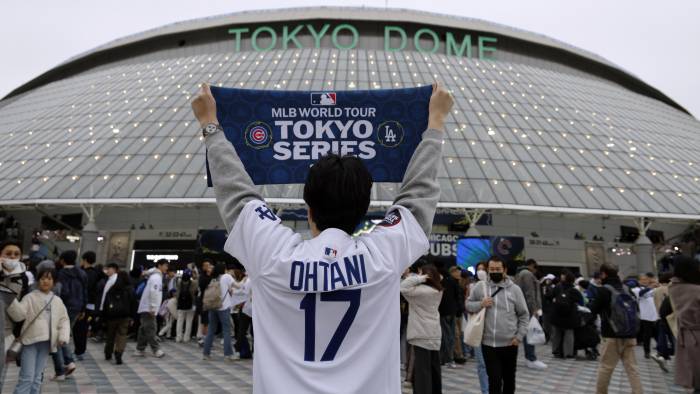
(323, 98)
(330, 253)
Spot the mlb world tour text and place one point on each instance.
(317, 137)
(396, 38)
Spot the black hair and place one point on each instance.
(665, 277)
(44, 272)
(484, 263)
(171, 268)
(113, 265)
(68, 257)
(90, 257)
(584, 284)
(219, 269)
(569, 276)
(596, 275)
(531, 262)
(417, 264)
(609, 269)
(337, 190)
(10, 242)
(686, 269)
(496, 259)
(161, 262)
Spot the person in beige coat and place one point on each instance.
(424, 293)
(46, 327)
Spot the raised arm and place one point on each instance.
(420, 190)
(232, 185)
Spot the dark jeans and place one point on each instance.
(80, 332)
(647, 331)
(242, 346)
(426, 371)
(529, 350)
(147, 333)
(501, 363)
(665, 342)
(447, 345)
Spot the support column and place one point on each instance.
(643, 247)
(473, 218)
(88, 236)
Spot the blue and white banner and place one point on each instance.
(279, 134)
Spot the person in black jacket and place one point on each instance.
(448, 310)
(118, 306)
(83, 325)
(565, 316)
(615, 347)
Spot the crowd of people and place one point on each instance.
(602, 318)
(51, 309)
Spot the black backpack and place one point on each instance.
(184, 299)
(564, 305)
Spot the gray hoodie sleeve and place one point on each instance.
(522, 313)
(420, 190)
(476, 295)
(232, 185)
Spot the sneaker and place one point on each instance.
(451, 365)
(58, 378)
(79, 357)
(537, 364)
(231, 358)
(206, 358)
(661, 361)
(158, 354)
(139, 353)
(70, 368)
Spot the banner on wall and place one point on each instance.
(279, 134)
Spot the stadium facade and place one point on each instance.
(547, 142)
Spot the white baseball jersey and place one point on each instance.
(326, 310)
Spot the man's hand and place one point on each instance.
(204, 106)
(515, 342)
(487, 302)
(440, 104)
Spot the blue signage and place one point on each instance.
(278, 135)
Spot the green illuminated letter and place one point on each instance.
(318, 36)
(237, 33)
(387, 38)
(433, 35)
(355, 36)
(287, 36)
(452, 45)
(483, 48)
(254, 38)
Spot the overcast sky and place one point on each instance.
(655, 40)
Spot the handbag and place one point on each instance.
(15, 349)
(474, 331)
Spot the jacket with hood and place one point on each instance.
(73, 288)
(423, 317)
(507, 318)
(530, 286)
(30, 306)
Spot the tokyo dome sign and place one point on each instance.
(345, 36)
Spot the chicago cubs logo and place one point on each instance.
(323, 98)
(390, 134)
(258, 135)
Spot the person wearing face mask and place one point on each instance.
(13, 283)
(505, 325)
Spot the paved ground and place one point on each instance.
(183, 371)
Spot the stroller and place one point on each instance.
(586, 336)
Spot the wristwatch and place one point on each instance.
(211, 128)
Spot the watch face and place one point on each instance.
(209, 129)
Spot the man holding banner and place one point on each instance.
(351, 283)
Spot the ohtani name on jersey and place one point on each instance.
(325, 276)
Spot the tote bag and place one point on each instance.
(474, 332)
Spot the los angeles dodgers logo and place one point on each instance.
(390, 134)
(258, 135)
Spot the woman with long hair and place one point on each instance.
(424, 293)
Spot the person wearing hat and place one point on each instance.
(186, 292)
(526, 279)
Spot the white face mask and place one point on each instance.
(481, 275)
(10, 265)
